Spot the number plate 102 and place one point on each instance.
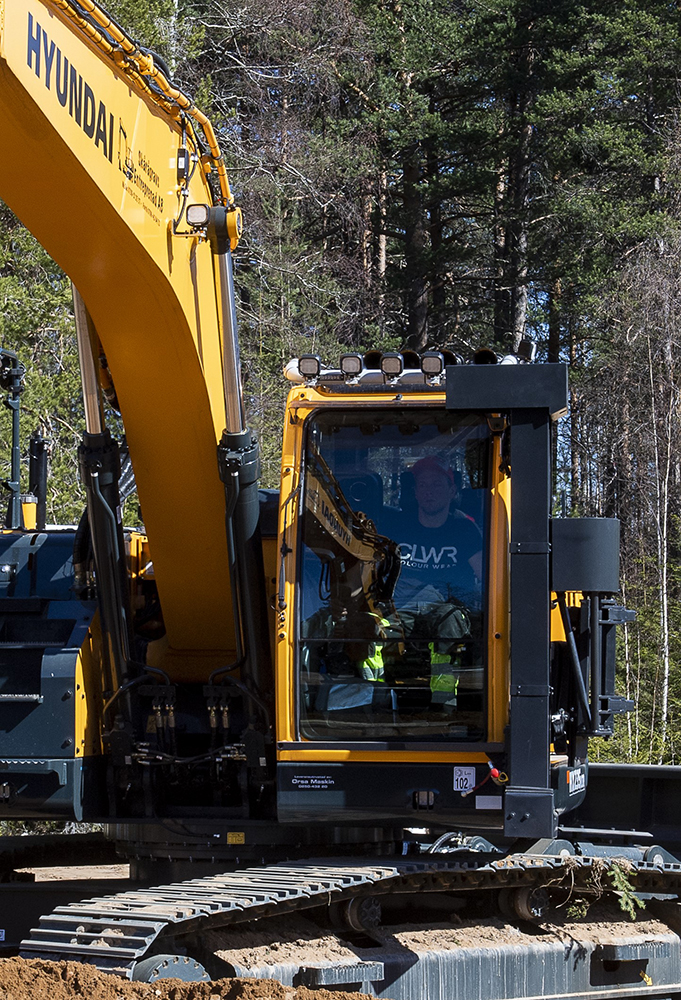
(464, 779)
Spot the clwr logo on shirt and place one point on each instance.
(418, 555)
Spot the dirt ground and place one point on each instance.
(78, 872)
(33, 979)
(300, 942)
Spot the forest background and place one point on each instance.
(430, 173)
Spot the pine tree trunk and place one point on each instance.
(519, 183)
(366, 239)
(661, 437)
(575, 486)
(502, 322)
(437, 283)
(555, 296)
(415, 234)
(382, 245)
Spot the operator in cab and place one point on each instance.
(443, 548)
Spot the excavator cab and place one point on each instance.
(431, 611)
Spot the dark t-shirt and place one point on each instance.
(435, 561)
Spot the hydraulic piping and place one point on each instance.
(99, 461)
(239, 465)
(138, 65)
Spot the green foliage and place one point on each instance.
(20, 828)
(517, 150)
(606, 875)
(37, 323)
(619, 873)
(578, 909)
(168, 27)
(624, 458)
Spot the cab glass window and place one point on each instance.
(391, 608)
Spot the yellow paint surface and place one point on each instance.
(100, 195)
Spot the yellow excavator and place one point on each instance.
(379, 681)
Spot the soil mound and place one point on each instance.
(35, 979)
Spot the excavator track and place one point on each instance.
(115, 933)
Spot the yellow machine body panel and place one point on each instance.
(88, 694)
(498, 629)
(385, 756)
(89, 164)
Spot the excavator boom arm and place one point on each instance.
(100, 157)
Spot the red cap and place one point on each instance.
(431, 464)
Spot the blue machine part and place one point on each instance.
(42, 628)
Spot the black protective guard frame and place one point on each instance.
(531, 397)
